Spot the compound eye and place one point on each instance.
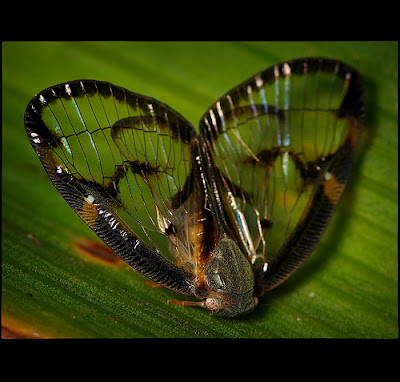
(213, 304)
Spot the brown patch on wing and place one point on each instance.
(333, 189)
(89, 214)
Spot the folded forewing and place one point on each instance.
(282, 143)
(123, 163)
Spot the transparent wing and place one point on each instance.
(123, 163)
(282, 143)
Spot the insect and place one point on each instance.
(224, 214)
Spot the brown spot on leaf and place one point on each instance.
(97, 251)
(13, 329)
(34, 239)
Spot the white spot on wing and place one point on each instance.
(259, 81)
(90, 199)
(221, 113)
(213, 120)
(68, 89)
(328, 175)
(286, 69)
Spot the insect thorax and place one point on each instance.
(230, 280)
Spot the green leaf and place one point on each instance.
(347, 288)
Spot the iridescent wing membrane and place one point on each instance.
(283, 144)
(121, 161)
(257, 187)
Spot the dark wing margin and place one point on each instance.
(107, 152)
(328, 189)
(282, 144)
